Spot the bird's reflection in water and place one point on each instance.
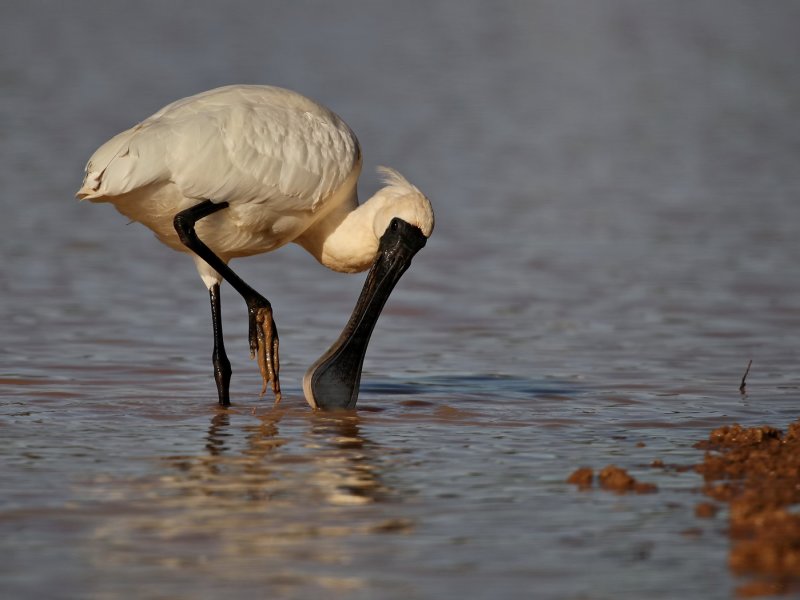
(324, 460)
(298, 493)
(346, 460)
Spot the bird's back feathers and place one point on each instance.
(237, 144)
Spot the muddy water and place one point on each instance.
(616, 190)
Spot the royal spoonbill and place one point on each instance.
(245, 169)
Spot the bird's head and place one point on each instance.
(402, 221)
(401, 200)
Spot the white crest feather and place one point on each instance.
(406, 200)
(396, 184)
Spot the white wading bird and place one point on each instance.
(243, 169)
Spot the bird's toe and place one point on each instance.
(266, 350)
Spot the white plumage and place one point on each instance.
(286, 166)
(237, 142)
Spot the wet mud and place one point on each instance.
(611, 478)
(753, 476)
(755, 472)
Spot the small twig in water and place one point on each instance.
(744, 377)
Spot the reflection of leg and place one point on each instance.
(222, 366)
(217, 432)
(262, 331)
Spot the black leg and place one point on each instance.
(263, 333)
(222, 366)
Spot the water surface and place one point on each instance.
(615, 187)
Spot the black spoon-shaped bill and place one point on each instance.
(332, 382)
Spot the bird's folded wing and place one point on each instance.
(251, 150)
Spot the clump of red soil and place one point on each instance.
(705, 510)
(583, 477)
(756, 471)
(611, 478)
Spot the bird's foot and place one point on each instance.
(264, 346)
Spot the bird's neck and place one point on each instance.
(344, 239)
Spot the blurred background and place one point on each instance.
(615, 186)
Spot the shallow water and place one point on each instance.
(615, 186)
